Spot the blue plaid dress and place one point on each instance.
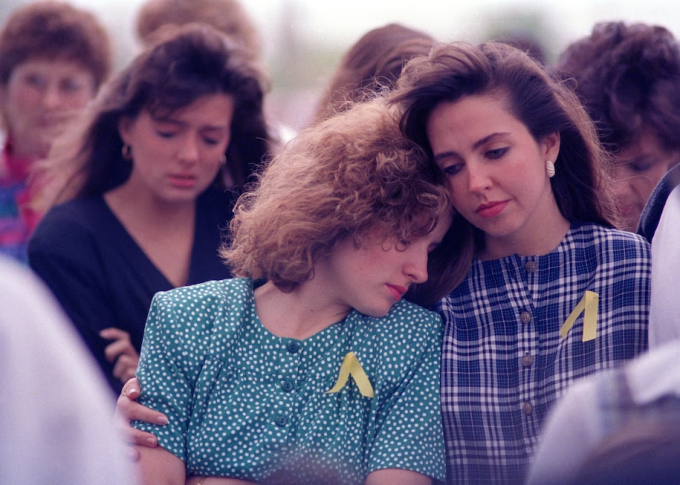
(503, 361)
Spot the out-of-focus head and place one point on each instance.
(455, 71)
(351, 176)
(628, 79)
(371, 65)
(227, 16)
(194, 62)
(53, 58)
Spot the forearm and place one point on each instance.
(157, 466)
(391, 476)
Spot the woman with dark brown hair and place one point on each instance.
(628, 79)
(554, 292)
(143, 189)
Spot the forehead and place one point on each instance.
(58, 66)
(212, 108)
(474, 115)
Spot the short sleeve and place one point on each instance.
(411, 435)
(166, 386)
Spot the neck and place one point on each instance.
(142, 207)
(28, 151)
(298, 314)
(539, 237)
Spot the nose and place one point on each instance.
(416, 266)
(478, 177)
(189, 150)
(51, 97)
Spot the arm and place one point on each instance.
(390, 476)
(157, 466)
(64, 254)
(409, 439)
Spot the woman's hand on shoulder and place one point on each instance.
(128, 409)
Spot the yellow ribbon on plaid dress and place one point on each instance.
(351, 366)
(588, 304)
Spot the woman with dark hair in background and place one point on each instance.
(554, 293)
(628, 79)
(143, 188)
(53, 58)
(372, 64)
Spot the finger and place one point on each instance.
(125, 368)
(127, 410)
(131, 389)
(113, 333)
(118, 348)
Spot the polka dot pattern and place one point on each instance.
(245, 403)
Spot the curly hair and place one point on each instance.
(228, 16)
(54, 30)
(349, 176)
(627, 77)
(581, 186)
(195, 61)
(371, 65)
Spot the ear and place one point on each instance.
(124, 129)
(550, 145)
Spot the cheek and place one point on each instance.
(20, 99)
(78, 101)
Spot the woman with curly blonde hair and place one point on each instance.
(252, 373)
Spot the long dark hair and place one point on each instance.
(195, 61)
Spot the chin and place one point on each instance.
(375, 312)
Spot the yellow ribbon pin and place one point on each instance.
(351, 366)
(588, 304)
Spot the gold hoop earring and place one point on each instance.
(127, 152)
(550, 168)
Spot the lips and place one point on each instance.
(182, 180)
(492, 209)
(397, 291)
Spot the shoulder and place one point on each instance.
(69, 228)
(210, 295)
(407, 321)
(621, 244)
(656, 203)
(81, 215)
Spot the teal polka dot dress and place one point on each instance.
(244, 403)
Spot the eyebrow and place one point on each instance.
(175, 122)
(477, 144)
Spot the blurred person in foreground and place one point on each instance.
(53, 58)
(142, 191)
(372, 66)
(44, 368)
(628, 79)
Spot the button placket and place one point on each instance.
(287, 383)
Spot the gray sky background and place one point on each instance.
(329, 27)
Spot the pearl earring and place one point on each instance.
(550, 168)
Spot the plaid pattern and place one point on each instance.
(503, 362)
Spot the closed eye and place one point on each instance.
(451, 170)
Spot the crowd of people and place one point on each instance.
(452, 275)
